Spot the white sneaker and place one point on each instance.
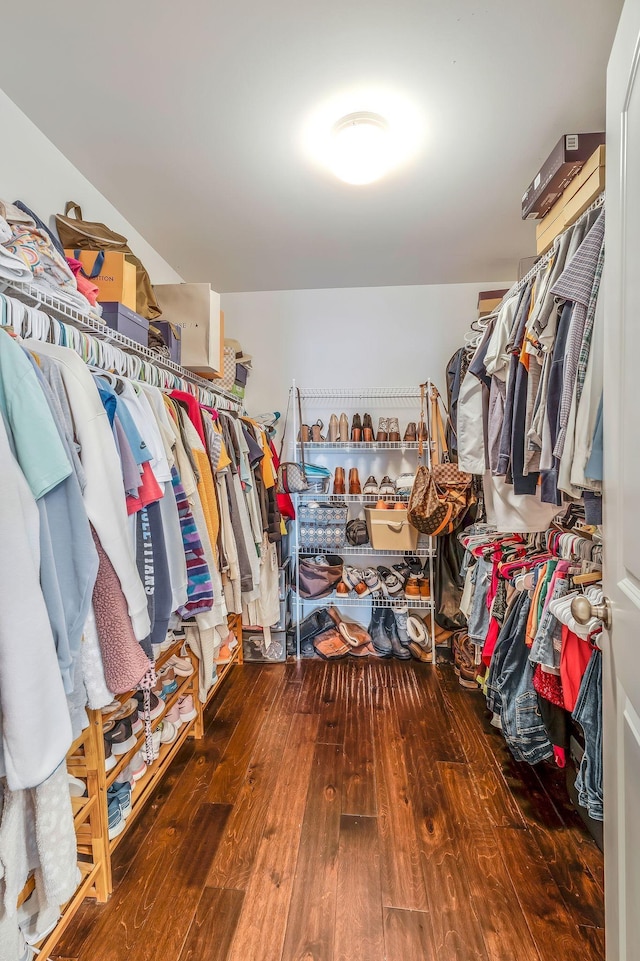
(169, 641)
(168, 732)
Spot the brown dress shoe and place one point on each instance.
(367, 429)
(464, 654)
(356, 428)
(412, 587)
(354, 481)
(338, 481)
(411, 433)
(423, 584)
(394, 429)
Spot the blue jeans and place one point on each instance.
(588, 714)
(479, 617)
(546, 646)
(512, 688)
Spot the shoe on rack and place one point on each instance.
(157, 705)
(425, 589)
(316, 432)
(353, 579)
(115, 818)
(355, 635)
(342, 589)
(400, 505)
(401, 615)
(354, 481)
(373, 582)
(394, 430)
(121, 791)
(387, 487)
(110, 708)
(129, 709)
(411, 433)
(383, 430)
(420, 642)
(333, 434)
(169, 641)
(167, 676)
(402, 571)
(109, 760)
(344, 429)
(423, 433)
(412, 587)
(77, 787)
(380, 641)
(356, 428)
(135, 769)
(370, 486)
(173, 715)
(338, 481)
(391, 583)
(382, 505)
(187, 708)
(397, 648)
(181, 665)
(414, 564)
(120, 735)
(168, 732)
(367, 429)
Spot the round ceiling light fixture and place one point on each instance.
(363, 134)
(360, 150)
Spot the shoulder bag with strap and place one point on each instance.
(292, 478)
(440, 496)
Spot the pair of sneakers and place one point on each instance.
(363, 582)
(118, 807)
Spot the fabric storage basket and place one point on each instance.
(322, 526)
(389, 530)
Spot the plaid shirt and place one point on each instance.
(585, 347)
(576, 284)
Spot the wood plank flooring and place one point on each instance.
(350, 812)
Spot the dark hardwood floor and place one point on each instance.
(350, 812)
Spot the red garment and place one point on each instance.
(193, 410)
(574, 658)
(285, 504)
(491, 641)
(548, 686)
(148, 493)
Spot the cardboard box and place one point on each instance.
(126, 322)
(573, 208)
(597, 159)
(114, 276)
(561, 166)
(488, 300)
(390, 530)
(195, 309)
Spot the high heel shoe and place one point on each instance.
(304, 434)
(411, 433)
(344, 429)
(354, 481)
(356, 428)
(334, 429)
(383, 430)
(338, 481)
(394, 430)
(316, 432)
(367, 429)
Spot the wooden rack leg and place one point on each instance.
(99, 820)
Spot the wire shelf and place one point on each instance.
(361, 446)
(61, 310)
(359, 393)
(347, 600)
(365, 549)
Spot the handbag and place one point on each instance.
(442, 494)
(86, 235)
(292, 478)
(357, 533)
(319, 576)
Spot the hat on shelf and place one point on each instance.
(241, 357)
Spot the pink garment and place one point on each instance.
(125, 663)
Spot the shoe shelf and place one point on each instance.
(365, 549)
(185, 686)
(360, 446)
(347, 600)
(354, 498)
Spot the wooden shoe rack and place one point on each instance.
(86, 760)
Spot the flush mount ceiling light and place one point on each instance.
(361, 148)
(363, 134)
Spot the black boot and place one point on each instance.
(379, 635)
(402, 653)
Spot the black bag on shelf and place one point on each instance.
(357, 533)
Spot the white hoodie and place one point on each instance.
(104, 495)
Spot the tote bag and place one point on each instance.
(440, 496)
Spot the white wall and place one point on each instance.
(33, 170)
(348, 337)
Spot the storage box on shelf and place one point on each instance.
(112, 274)
(574, 200)
(170, 333)
(121, 318)
(390, 530)
(563, 163)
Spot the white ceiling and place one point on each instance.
(188, 117)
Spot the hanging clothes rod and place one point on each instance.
(135, 359)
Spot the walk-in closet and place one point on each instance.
(319, 571)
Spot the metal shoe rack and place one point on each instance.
(320, 403)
